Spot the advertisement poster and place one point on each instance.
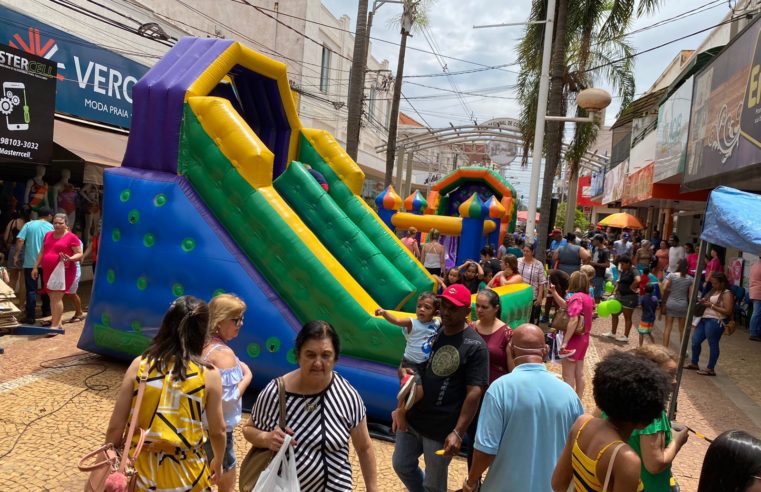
(639, 186)
(725, 127)
(93, 82)
(614, 183)
(26, 106)
(735, 271)
(673, 129)
(597, 188)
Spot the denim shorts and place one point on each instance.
(229, 461)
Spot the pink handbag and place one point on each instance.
(111, 471)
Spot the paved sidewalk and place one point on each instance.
(49, 417)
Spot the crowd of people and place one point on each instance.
(476, 386)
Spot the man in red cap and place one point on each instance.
(453, 380)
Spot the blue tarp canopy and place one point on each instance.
(733, 219)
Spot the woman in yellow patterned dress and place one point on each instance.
(179, 391)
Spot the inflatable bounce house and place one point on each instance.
(214, 195)
(471, 207)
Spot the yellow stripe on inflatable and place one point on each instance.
(238, 142)
(222, 123)
(449, 226)
(238, 54)
(336, 157)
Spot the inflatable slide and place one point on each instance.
(215, 195)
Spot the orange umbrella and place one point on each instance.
(622, 220)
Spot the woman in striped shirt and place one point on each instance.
(322, 412)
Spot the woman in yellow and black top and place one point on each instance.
(179, 391)
(632, 392)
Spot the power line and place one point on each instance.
(613, 62)
(261, 9)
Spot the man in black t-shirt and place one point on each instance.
(453, 380)
(601, 261)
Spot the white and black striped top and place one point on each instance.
(321, 425)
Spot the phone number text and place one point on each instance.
(15, 142)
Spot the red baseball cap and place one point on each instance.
(457, 294)
(556, 231)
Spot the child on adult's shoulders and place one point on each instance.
(419, 331)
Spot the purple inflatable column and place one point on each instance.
(473, 213)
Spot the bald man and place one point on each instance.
(524, 421)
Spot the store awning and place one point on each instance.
(92, 144)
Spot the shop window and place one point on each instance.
(325, 69)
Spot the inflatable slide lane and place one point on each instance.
(215, 195)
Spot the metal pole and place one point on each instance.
(688, 325)
(541, 112)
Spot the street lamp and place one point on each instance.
(593, 100)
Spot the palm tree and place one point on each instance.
(587, 33)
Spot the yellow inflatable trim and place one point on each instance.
(336, 157)
(449, 226)
(238, 54)
(240, 145)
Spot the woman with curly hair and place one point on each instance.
(631, 391)
(732, 464)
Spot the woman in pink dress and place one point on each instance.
(578, 304)
(59, 245)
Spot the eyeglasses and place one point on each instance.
(237, 321)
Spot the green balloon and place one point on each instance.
(609, 287)
(614, 306)
(603, 309)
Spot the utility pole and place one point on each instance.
(357, 81)
(408, 19)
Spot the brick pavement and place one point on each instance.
(49, 418)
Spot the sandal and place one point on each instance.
(74, 319)
(707, 372)
(46, 323)
(692, 367)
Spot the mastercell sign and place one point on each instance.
(27, 104)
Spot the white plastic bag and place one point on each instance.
(285, 463)
(57, 279)
(557, 342)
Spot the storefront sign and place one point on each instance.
(26, 106)
(93, 83)
(614, 183)
(584, 194)
(596, 188)
(639, 186)
(673, 129)
(725, 127)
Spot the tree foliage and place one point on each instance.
(595, 38)
(579, 222)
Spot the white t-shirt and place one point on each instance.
(676, 253)
(418, 347)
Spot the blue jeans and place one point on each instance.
(409, 446)
(31, 295)
(755, 320)
(711, 329)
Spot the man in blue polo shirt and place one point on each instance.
(524, 421)
(29, 240)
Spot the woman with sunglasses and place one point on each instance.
(225, 320)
